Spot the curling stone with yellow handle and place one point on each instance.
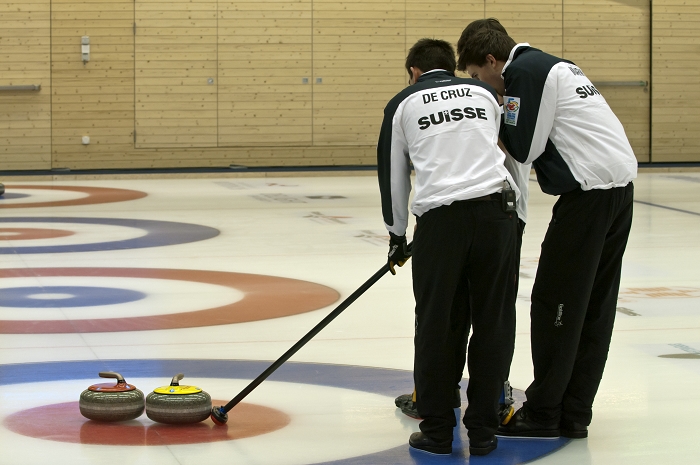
(111, 402)
(177, 404)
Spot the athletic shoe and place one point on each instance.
(482, 447)
(573, 430)
(422, 442)
(520, 426)
(410, 408)
(403, 399)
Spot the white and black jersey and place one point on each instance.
(447, 128)
(557, 120)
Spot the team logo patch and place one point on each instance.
(511, 109)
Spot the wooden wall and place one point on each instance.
(675, 77)
(196, 83)
(610, 41)
(265, 70)
(25, 116)
(538, 22)
(440, 20)
(175, 59)
(358, 57)
(96, 98)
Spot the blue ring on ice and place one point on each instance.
(76, 296)
(13, 196)
(381, 381)
(158, 234)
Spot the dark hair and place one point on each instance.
(487, 23)
(472, 28)
(475, 44)
(430, 54)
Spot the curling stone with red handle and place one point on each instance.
(112, 402)
(177, 404)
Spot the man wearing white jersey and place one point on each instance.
(556, 119)
(521, 174)
(447, 129)
(408, 403)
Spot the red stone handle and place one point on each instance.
(112, 374)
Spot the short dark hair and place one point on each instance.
(485, 41)
(472, 28)
(429, 54)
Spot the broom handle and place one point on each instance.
(316, 329)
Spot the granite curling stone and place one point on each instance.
(177, 404)
(112, 402)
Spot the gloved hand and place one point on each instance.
(398, 251)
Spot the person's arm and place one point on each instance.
(528, 113)
(521, 175)
(394, 171)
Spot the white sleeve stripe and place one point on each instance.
(545, 117)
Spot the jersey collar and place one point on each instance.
(513, 53)
(433, 73)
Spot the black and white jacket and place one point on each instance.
(447, 128)
(557, 120)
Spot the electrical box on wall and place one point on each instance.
(85, 46)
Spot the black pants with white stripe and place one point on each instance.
(574, 300)
(465, 245)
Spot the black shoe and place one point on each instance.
(403, 399)
(520, 426)
(410, 408)
(482, 447)
(573, 430)
(407, 406)
(422, 442)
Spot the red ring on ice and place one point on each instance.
(24, 234)
(64, 423)
(265, 297)
(95, 195)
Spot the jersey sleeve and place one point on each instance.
(394, 172)
(529, 109)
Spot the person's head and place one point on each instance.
(472, 28)
(427, 55)
(483, 53)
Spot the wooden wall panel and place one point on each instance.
(538, 22)
(176, 73)
(609, 40)
(439, 20)
(96, 98)
(675, 75)
(265, 90)
(358, 57)
(256, 112)
(25, 116)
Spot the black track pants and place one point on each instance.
(460, 310)
(574, 300)
(467, 245)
